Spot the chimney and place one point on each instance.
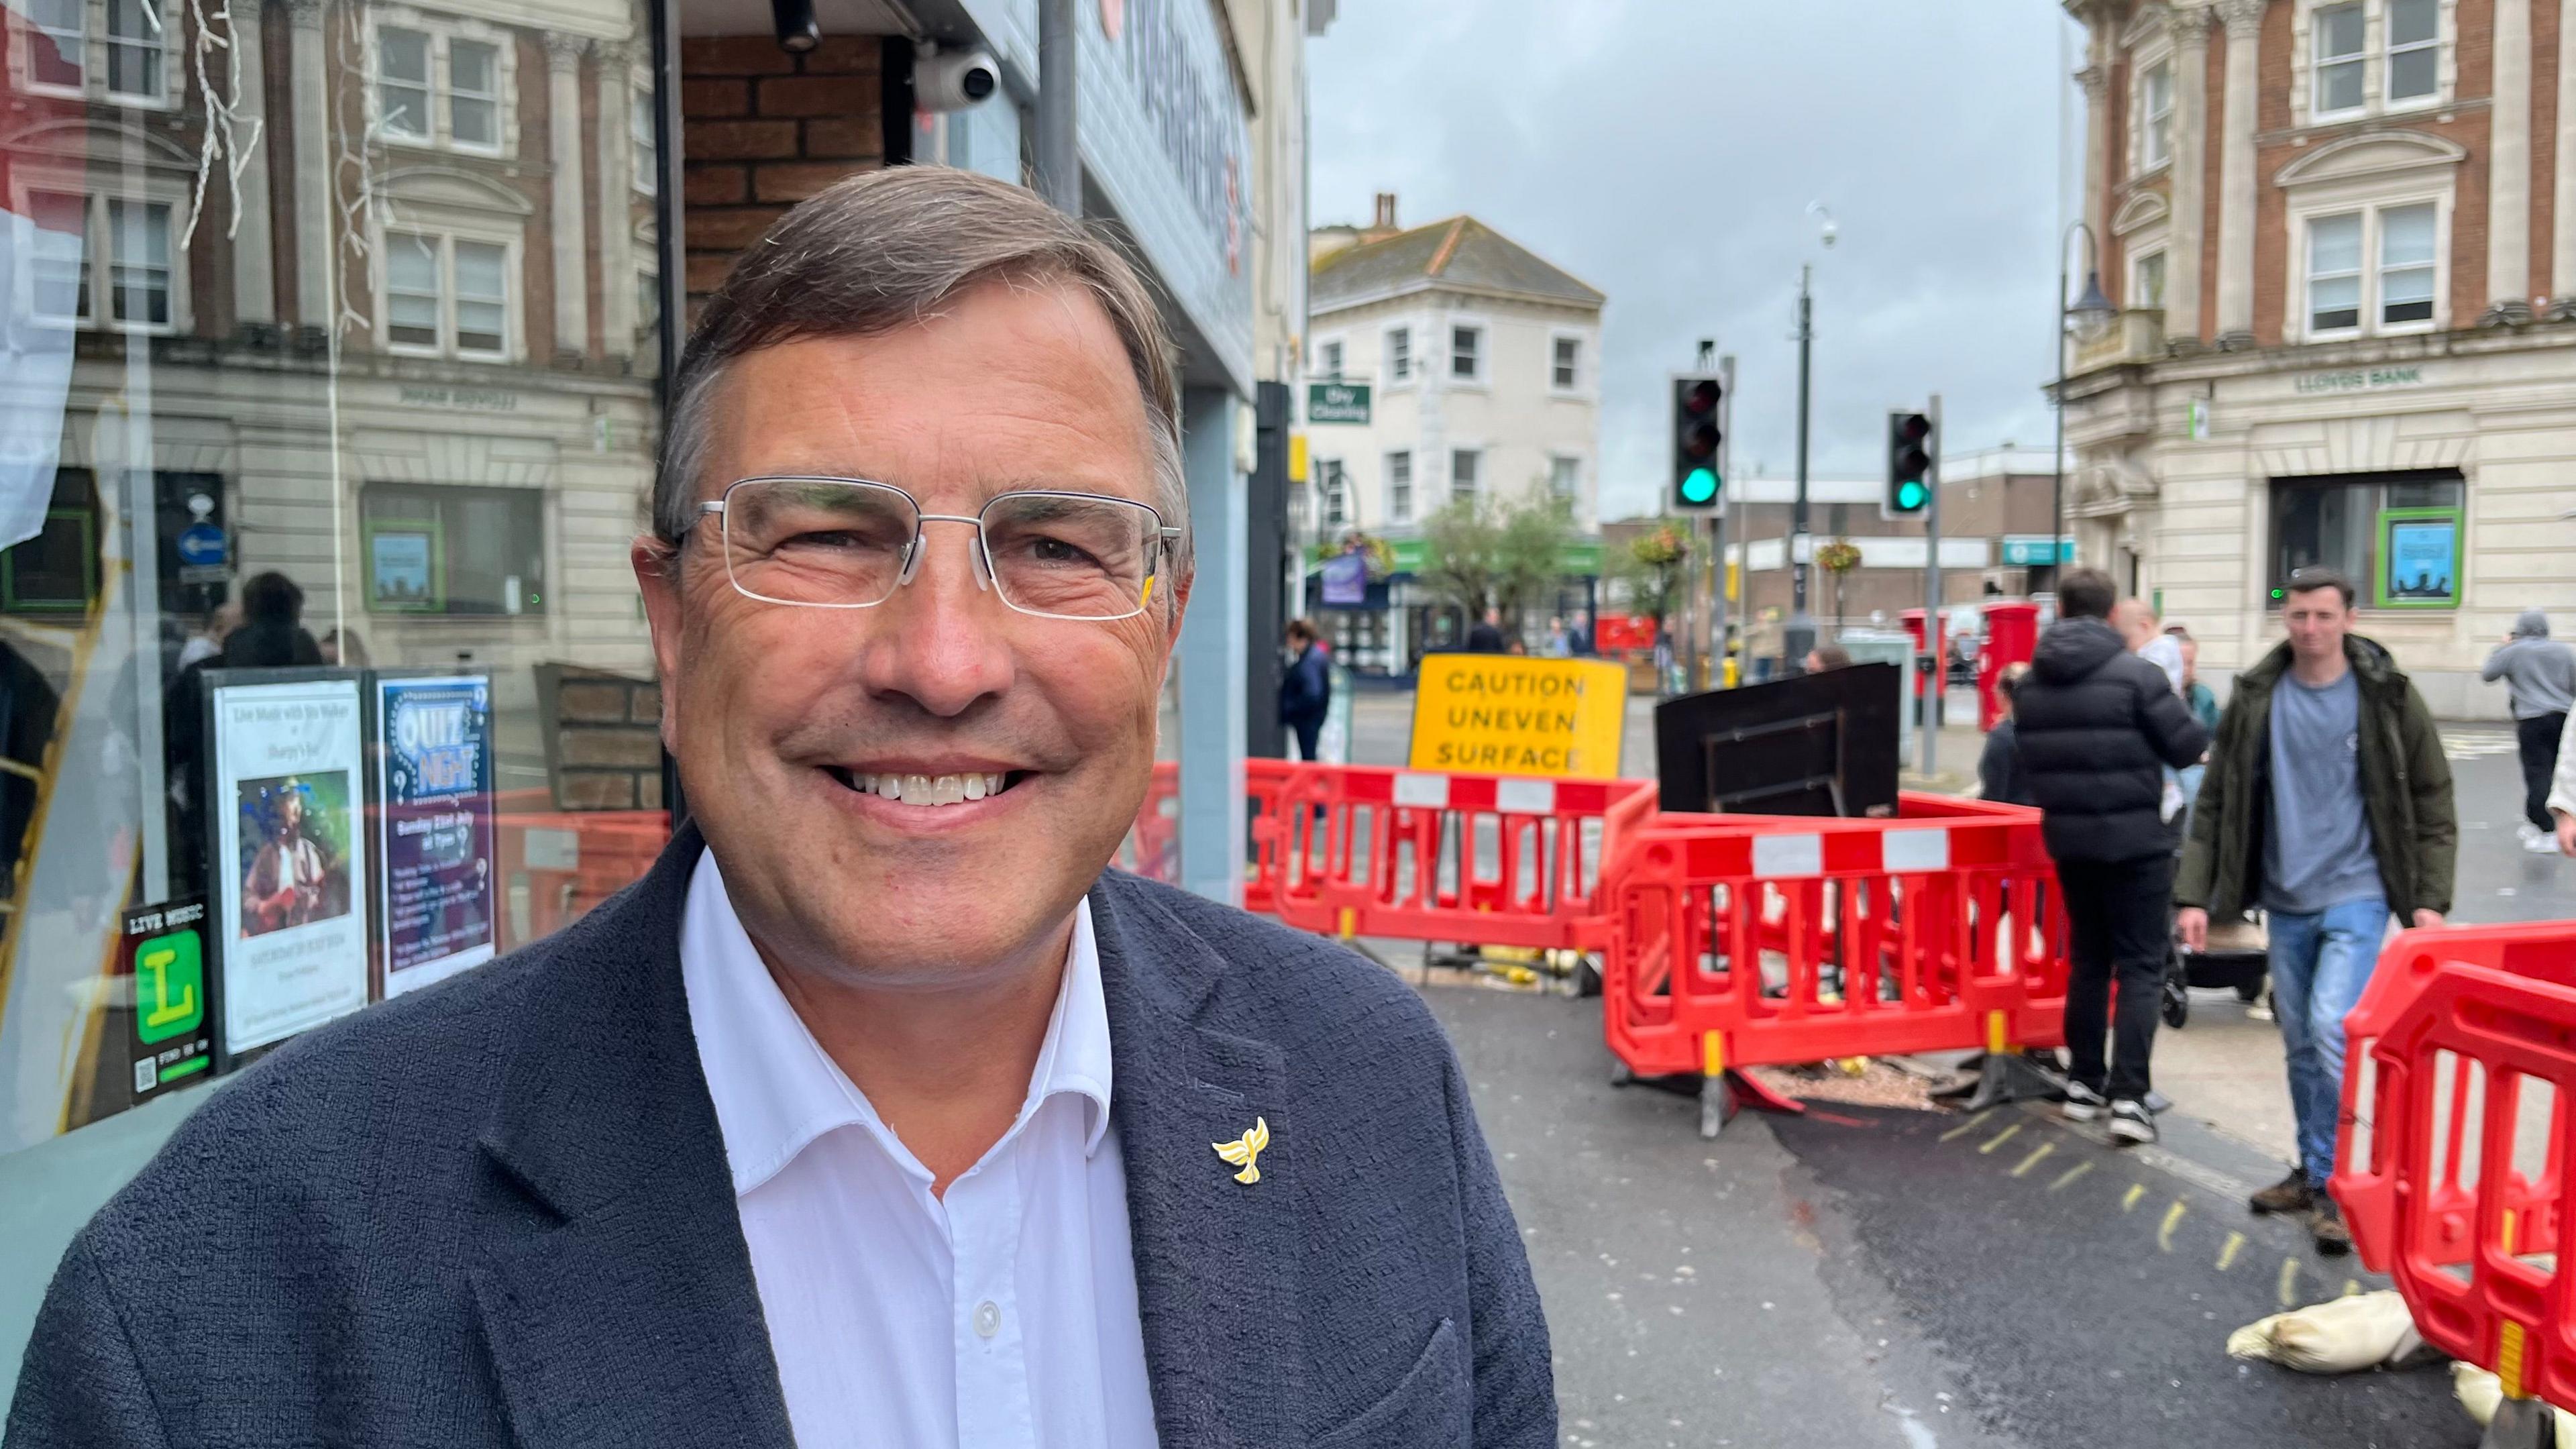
(1385, 212)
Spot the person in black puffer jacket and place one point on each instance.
(2094, 728)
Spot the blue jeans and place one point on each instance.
(2320, 963)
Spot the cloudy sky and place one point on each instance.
(1666, 152)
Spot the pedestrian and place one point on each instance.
(881, 1111)
(2136, 621)
(2195, 693)
(1998, 766)
(2539, 674)
(2327, 804)
(2562, 790)
(208, 641)
(1487, 635)
(1828, 656)
(1582, 638)
(1306, 690)
(2095, 729)
(1560, 644)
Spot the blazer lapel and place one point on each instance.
(625, 1312)
(1216, 1259)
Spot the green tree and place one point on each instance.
(1648, 571)
(1484, 553)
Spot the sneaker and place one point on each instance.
(2326, 1225)
(2082, 1104)
(2541, 842)
(2290, 1195)
(2132, 1122)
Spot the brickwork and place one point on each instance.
(2213, 107)
(2544, 141)
(603, 738)
(764, 130)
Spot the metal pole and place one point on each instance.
(1059, 160)
(1800, 636)
(2057, 459)
(1717, 650)
(1933, 636)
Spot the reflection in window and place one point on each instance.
(135, 37)
(2334, 273)
(2414, 49)
(139, 243)
(482, 297)
(402, 82)
(59, 270)
(2340, 58)
(56, 572)
(433, 549)
(648, 154)
(411, 290)
(474, 94)
(59, 54)
(447, 294)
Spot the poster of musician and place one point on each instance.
(288, 760)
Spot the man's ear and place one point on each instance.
(657, 574)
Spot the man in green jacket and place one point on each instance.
(2327, 804)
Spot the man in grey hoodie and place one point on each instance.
(2540, 679)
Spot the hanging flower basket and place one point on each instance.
(1662, 548)
(1838, 557)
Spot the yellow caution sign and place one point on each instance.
(1501, 714)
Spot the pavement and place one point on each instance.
(1911, 1279)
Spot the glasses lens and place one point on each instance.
(1071, 556)
(817, 540)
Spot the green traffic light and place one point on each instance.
(1910, 494)
(1700, 486)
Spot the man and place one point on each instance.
(2328, 804)
(2562, 790)
(2540, 683)
(2136, 621)
(1560, 644)
(2096, 727)
(208, 642)
(1828, 656)
(1306, 690)
(877, 1114)
(1999, 763)
(1487, 635)
(285, 882)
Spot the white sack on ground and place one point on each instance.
(2339, 1336)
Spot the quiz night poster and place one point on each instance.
(291, 860)
(434, 757)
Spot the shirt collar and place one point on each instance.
(776, 1090)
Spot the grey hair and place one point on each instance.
(885, 249)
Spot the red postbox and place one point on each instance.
(2012, 631)
(1940, 661)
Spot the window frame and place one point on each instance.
(2365, 573)
(1400, 366)
(96, 66)
(1475, 491)
(98, 251)
(1570, 467)
(1481, 369)
(2370, 203)
(446, 234)
(2153, 129)
(444, 32)
(2389, 49)
(1399, 485)
(1333, 493)
(1561, 337)
(2136, 294)
(2376, 58)
(2319, 63)
(449, 91)
(1332, 359)
(427, 502)
(643, 138)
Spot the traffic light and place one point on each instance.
(1909, 463)
(1696, 415)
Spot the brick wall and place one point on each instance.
(2544, 143)
(763, 130)
(603, 738)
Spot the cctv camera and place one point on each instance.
(952, 80)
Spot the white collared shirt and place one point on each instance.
(1003, 1313)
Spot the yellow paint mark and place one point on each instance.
(2000, 1138)
(2069, 1175)
(2129, 1199)
(2288, 1293)
(1995, 1032)
(2509, 1359)
(1712, 1054)
(2508, 1232)
(1971, 1125)
(2228, 1250)
(2036, 1153)
(2173, 1220)
(1350, 923)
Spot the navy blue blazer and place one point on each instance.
(498, 1213)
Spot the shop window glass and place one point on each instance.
(59, 49)
(402, 82)
(139, 236)
(58, 273)
(136, 33)
(2334, 522)
(455, 550)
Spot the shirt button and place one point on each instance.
(988, 1319)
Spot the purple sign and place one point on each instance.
(1346, 579)
(435, 798)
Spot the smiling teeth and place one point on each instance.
(924, 790)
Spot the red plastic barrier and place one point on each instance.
(1496, 860)
(2453, 1171)
(1746, 940)
(556, 865)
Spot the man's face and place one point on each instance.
(772, 709)
(2317, 620)
(2190, 660)
(2136, 625)
(290, 816)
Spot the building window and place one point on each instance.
(402, 83)
(2334, 522)
(1466, 345)
(139, 264)
(1462, 475)
(57, 571)
(58, 57)
(135, 37)
(1563, 476)
(2342, 57)
(648, 303)
(648, 154)
(1562, 370)
(58, 271)
(2334, 274)
(2155, 111)
(1399, 354)
(433, 549)
(474, 94)
(106, 50)
(439, 90)
(1399, 487)
(2414, 50)
(2406, 265)
(447, 295)
(131, 265)
(1329, 361)
(1337, 496)
(2147, 281)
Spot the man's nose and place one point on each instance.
(945, 642)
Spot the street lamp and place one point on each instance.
(1800, 636)
(2086, 315)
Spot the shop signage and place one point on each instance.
(470, 399)
(164, 951)
(2026, 550)
(1345, 580)
(1503, 714)
(434, 826)
(290, 860)
(1337, 402)
(2358, 379)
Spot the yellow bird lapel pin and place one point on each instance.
(1244, 1151)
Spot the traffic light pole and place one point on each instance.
(1717, 650)
(1800, 636)
(1935, 639)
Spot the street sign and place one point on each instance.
(1337, 402)
(1504, 714)
(201, 545)
(2026, 550)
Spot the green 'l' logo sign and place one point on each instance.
(169, 987)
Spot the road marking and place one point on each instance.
(2069, 1175)
(2289, 1293)
(2000, 1138)
(2173, 1220)
(1971, 1125)
(2036, 1153)
(2227, 1252)
(2172, 1164)
(2129, 1199)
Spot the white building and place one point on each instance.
(1474, 364)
